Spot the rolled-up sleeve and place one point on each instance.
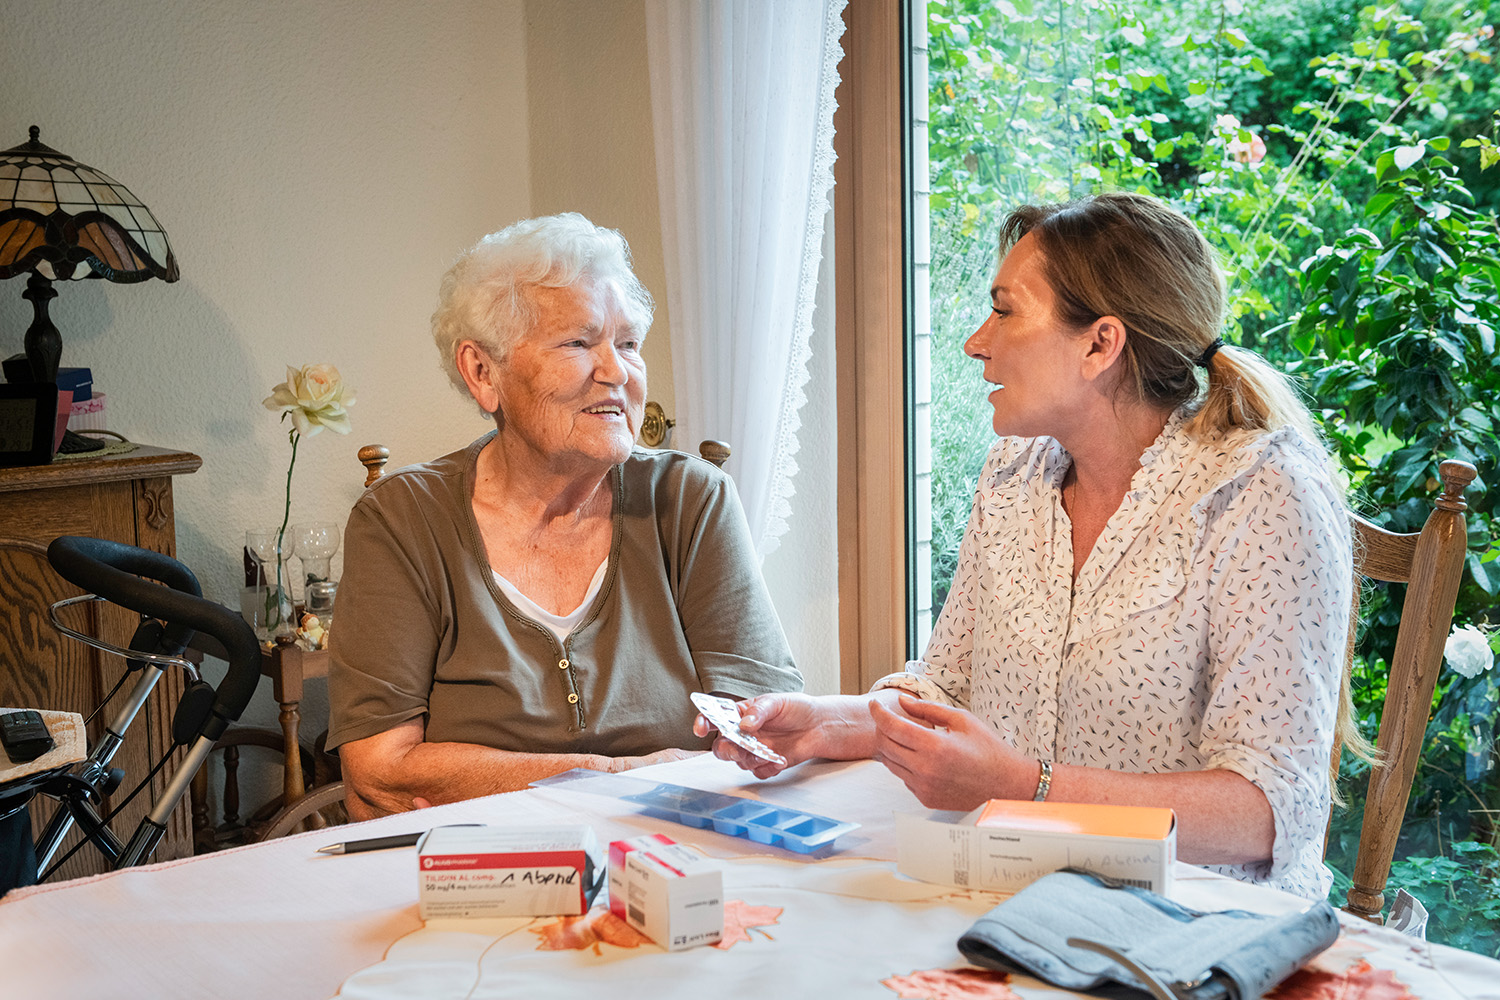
(1278, 626)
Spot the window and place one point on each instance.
(1342, 158)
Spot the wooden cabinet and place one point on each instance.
(126, 498)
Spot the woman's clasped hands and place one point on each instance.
(948, 757)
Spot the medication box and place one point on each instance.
(1006, 845)
(665, 891)
(514, 871)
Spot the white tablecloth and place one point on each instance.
(278, 920)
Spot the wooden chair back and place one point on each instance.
(325, 801)
(716, 452)
(1431, 563)
(375, 456)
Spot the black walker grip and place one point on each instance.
(122, 573)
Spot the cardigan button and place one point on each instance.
(572, 699)
(563, 664)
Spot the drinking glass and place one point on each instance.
(314, 544)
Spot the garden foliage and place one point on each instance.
(1339, 157)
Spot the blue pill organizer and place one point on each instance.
(731, 815)
(734, 816)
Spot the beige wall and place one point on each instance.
(589, 117)
(316, 166)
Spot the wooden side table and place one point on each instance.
(124, 498)
(289, 666)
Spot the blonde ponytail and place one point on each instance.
(1245, 391)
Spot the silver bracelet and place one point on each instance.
(1044, 783)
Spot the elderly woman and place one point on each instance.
(548, 597)
(1153, 592)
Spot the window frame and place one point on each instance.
(872, 233)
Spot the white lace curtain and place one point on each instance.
(742, 102)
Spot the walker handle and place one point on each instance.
(123, 573)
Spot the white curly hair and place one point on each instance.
(486, 296)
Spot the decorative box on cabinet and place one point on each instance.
(126, 498)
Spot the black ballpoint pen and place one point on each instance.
(381, 843)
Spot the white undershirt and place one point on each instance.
(559, 625)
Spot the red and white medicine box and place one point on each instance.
(507, 871)
(669, 893)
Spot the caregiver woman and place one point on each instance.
(1152, 594)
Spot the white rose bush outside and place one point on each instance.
(1468, 651)
(314, 397)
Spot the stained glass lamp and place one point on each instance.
(60, 220)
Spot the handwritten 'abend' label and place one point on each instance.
(538, 891)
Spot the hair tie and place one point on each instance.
(1209, 352)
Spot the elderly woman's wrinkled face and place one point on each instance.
(575, 386)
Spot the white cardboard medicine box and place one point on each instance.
(669, 893)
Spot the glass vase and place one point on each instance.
(266, 601)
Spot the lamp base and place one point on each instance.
(79, 444)
(43, 343)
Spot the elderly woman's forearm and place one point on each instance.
(850, 732)
(450, 772)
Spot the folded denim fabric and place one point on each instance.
(1228, 955)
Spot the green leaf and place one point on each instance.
(1376, 206)
(1449, 348)
(1383, 261)
(1383, 162)
(1486, 575)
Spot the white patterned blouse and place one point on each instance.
(1206, 629)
